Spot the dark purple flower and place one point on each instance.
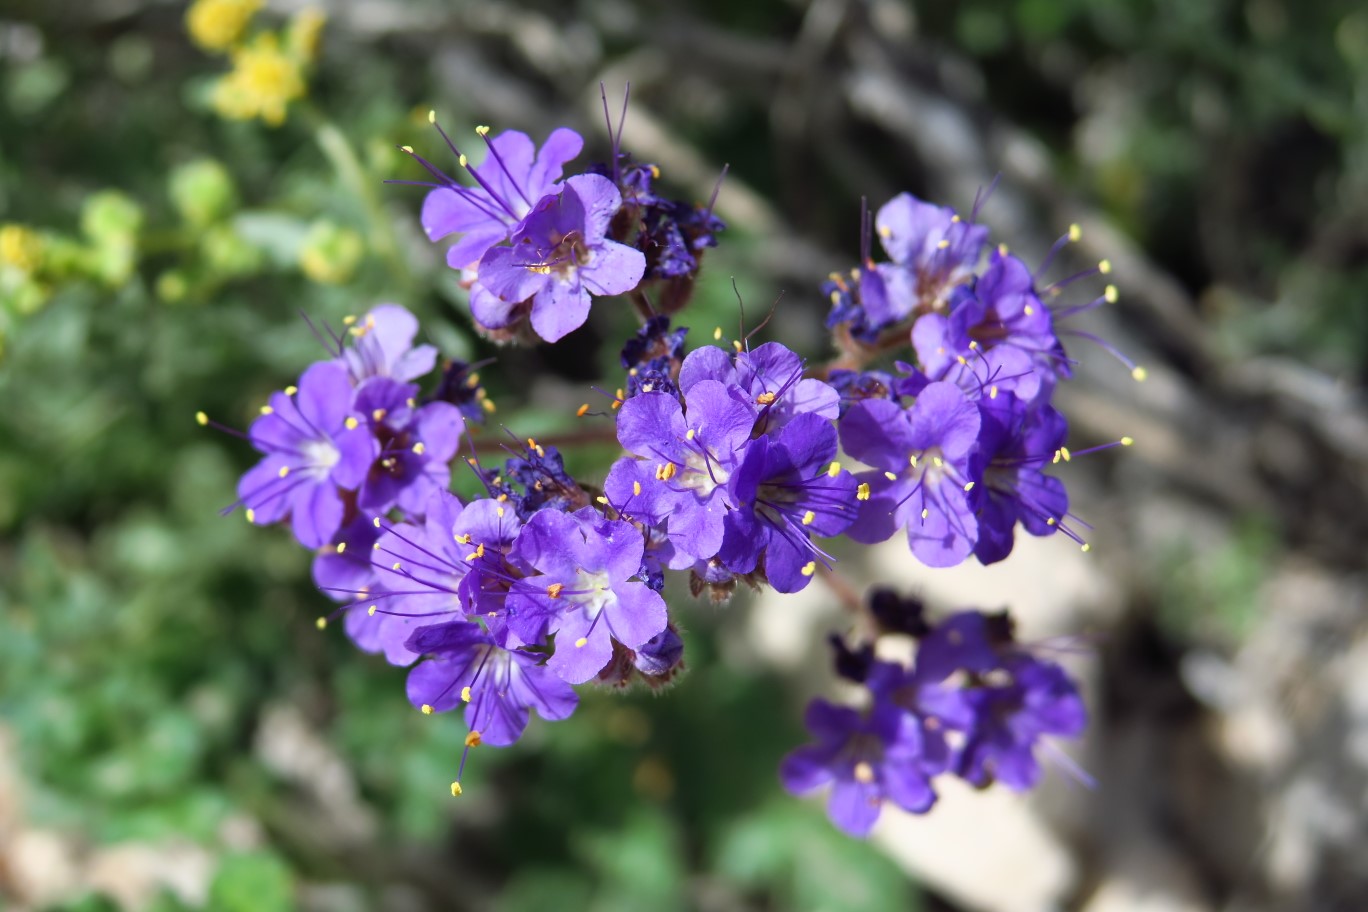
(652, 357)
(382, 346)
(1015, 443)
(772, 376)
(316, 447)
(536, 480)
(513, 178)
(416, 446)
(867, 759)
(921, 476)
(497, 686)
(853, 386)
(587, 593)
(559, 257)
(928, 705)
(460, 385)
(680, 481)
(895, 613)
(786, 490)
(1039, 700)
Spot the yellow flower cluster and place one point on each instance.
(268, 73)
(20, 248)
(216, 25)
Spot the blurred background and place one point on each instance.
(175, 734)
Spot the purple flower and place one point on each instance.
(1039, 700)
(315, 448)
(382, 346)
(865, 758)
(416, 446)
(933, 251)
(652, 357)
(559, 257)
(586, 594)
(772, 376)
(921, 474)
(680, 481)
(1014, 444)
(786, 490)
(460, 385)
(497, 686)
(928, 705)
(509, 183)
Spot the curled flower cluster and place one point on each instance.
(974, 703)
(731, 473)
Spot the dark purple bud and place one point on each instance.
(852, 664)
(895, 613)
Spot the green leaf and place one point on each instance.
(252, 882)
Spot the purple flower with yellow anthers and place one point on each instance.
(416, 442)
(316, 447)
(382, 346)
(652, 357)
(922, 472)
(588, 592)
(933, 251)
(770, 374)
(498, 686)
(686, 459)
(513, 178)
(867, 759)
(558, 258)
(1016, 443)
(786, 490)
(460, 385)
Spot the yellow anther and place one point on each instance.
(376, 522)
(973, 345)
(201, 419)
(463, 538)
(1110, 294)
(1057, 457)
(284, 470)
(925, 513)
(969, 486)
(500, 511)
(349, 319)
(954, 219)
(370, 612)
(291, 390)
(455, 790)
(267, 410)
(942, 244)
(835, 297)
(581, 642)
(1086, 548)
(473, 380)
(465, 694)
(418, 448)
(655, 173)
(1104, 267)
(351, 423)
(1075, 232)
(462, 161)
(1139, 374)
(809, 568)
(961, 359)
(341, 546)
(1002, 249)
(601, 499)
(690, 434)
(937, 461)
(472, 738)
(864, 772)
(482, 130)
(582, 410)
(834, 470)
(1029, 310)
(554, 590)
(1064, 451)
(736, 344)
(992, 391)
(912, 459)
(890, 476)
(427, 709)
(1127, 441)
(488, 405)
(636, 487)
(808, 517)
(432, 116)
(717, 334)
(885, 231)
(251, 515)
(862, 492)
(321, 623)
(408, 149)
(1051, 521)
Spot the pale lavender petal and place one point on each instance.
(559, 309)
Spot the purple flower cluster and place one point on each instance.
(975, 703)
(502, 603)
(534, 248)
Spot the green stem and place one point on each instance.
(340, 154)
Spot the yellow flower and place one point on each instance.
(21, 247)
(263, 81)
(216, 25)
(302, 37)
